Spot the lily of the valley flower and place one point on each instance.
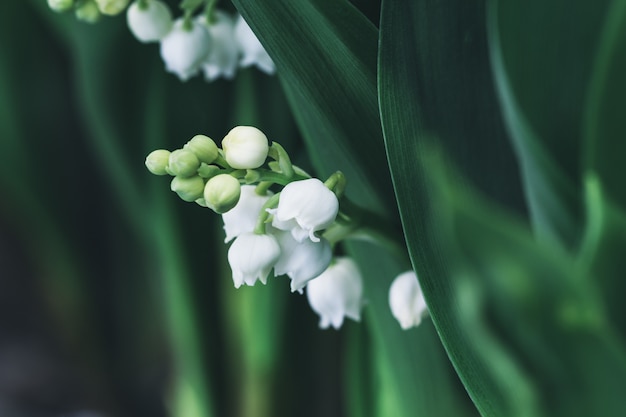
(149, 24)
(245, 147)
(224, 54)
(337, 293)
(304, 207)
(301, 261)
(406, 300)
(243, 217)
(252, 50)
(251, 258)
(184, 49)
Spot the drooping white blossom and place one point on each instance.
(252, 50)
(337, 293)
(149, 24)
(304, 207)
(301, 261)
(184, 50)
(224, 54)
(406, 300)
(251, 258)
(245, 147)
(243, 217)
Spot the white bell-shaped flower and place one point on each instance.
(245, 147)
(301, 261)
(251, 258)
(406, 300)
(243, 217)
(252, 50)
(224, 54)
(337, 293)
(150, 23)
(184, 50)
(304, 207)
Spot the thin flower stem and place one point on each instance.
(259, 229)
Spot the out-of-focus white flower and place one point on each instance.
(251, 258)
(406, 300)
(243, 217)
(301, 261)
(224, 54)
(87, 11)
(184, 51)
(337, 293)
(245, 147)
(112, 7)
(305, 207)
(60, 5)
(149, 24)
(252, 50)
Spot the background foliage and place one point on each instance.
(487, 134)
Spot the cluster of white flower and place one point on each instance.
(214, 43)
(281, 230)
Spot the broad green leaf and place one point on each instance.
(435, 86)
(325, 52)
(528, 309)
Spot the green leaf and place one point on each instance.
(325, 52)
(435, 86)
(529, 311)
(543, 56)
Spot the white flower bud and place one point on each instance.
(203, 147)
(301, 261)
(305, 207)
(245, 147)
(337, 293)
(149, 24)
(251, 258)
(60, 5)
(406, 300)
(88, 12)
(223, 57)
(253, 51)
(112, 7)
(184, 51)
(157, 161)
(221, 193)
(183, 163)
(243, 217)
(188, 188)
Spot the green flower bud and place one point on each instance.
(221, 193)
(157, 161)
(203, 147)
(188, 188)
(112, 7)
(60, 5)
(201, 202)
(183, 163)
(88, 12)
(245, 147)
